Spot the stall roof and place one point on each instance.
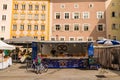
(53, 42)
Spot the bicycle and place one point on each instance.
(38, 68)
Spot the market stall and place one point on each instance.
(64, 54)
(5, 61)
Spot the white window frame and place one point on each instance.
(100, 15)
(22, 27)
(86, 15)
(74, 27)
(75, 15)
(30, 16)
(80, 39)
(4, 17)
(55, 27)
(22, 16)
(56, 15)
(5, 6)
(65, 13)
(61, 38)
(90, 38)
(15, 16)
(36, 17)
(14, 28)
(71, 37)
(2, 28)
(84, 25)
(64, 27)
(43, 17)
(53, 38)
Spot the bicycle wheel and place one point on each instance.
(45, 67)
(28, 65)
(38, 69)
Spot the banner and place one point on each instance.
(34, 50)
(90, 49)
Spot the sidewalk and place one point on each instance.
(18, 72)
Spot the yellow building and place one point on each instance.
(30, 18)
(113, 19)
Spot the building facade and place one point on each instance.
(77, 20)
(113, 19)
(30, 18)
(5, 18)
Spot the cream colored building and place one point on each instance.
(5, 18)
(113, 19)
(30, 18)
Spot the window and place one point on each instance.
(43, 7)
(16, 6)
(114, 37)
(30, 7)
(35, 27)
(76, 15)
(57, 27)
(85, 27)
(76, 27)
(22, 16)
(3, 17)
(114, 26)
(4, 6)
(100, 27)
(80, 38)
(114, 14)
(85, 15)
(100, 15)
(42, 16)
(2, 38)
(14, 27)
(23, 6)
(29, 27)
(36, 7)
(52, 39)
(22, 27)
(62, 39)
(76, 6)
(62, 6)
(2, 28)
(13, 36)
(36, 17)
(90, 5)
(71, 38)
(30, 16)
(42, 38)
(15, 16)
(90, 39)
(35, 37)
(66, 27)
(57, 15)
(67, 16)
(42, 27)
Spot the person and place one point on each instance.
(53, 52)
(38, 59)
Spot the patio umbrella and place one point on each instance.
(108, 42)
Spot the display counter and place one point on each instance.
(66, 62)
(5, 62)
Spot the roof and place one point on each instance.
(53, 42)
(25, 39)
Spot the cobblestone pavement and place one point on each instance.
(18, 72)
